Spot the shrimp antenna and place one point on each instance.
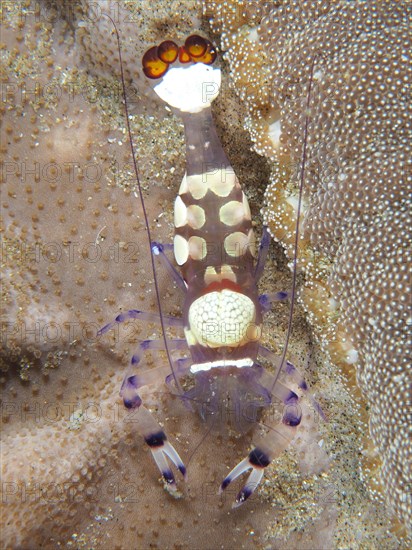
(297, 233)
(129, 131)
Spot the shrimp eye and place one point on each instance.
(168, 51)
(200, 49)
(209, 56)
(184, 57)
(157, 59)
(195, 45)
(153, 66)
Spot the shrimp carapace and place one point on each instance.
(219, 267)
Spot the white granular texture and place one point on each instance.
(221, 318)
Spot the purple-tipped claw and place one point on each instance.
(242, 496)
(225, 483)
(238, 470)
(249, 488)
(256, 461)
(171, 452)
(169, 477)
(161, 449)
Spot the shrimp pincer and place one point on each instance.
(219, 267)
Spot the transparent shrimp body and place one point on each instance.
(218, 270)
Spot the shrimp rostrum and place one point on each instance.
(214, 247)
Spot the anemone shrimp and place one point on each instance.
(220, 267)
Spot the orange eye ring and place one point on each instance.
(153, 66)
(168, 51)
(196, 45)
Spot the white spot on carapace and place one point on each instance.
(181, 249)
(222, 318)
(236, 244)
(180, 217)
(221, 182)
(197, 248)
(226, 273)
(190, 89)
(210, 275)
(246, 207)
(231, 213)
(196, 216)
(252, 243)
(183, 186)
(197, 186)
